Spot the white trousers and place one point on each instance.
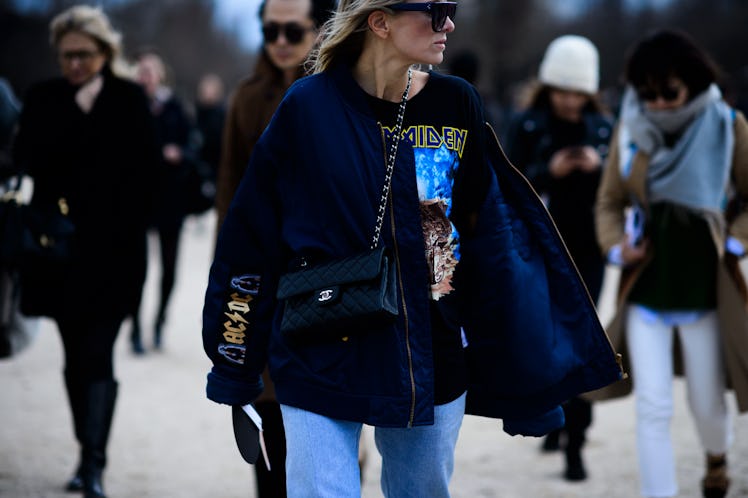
(650, 349)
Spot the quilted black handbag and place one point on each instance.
(339, 295)
(342, 297)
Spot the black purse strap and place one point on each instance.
(391, 162)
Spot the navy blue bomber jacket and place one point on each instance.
(533, 336)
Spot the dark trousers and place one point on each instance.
(168, 238)
(272, 484)
(578, 414)
(89, 347)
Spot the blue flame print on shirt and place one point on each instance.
(437, 157)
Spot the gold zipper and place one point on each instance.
(405, 317)
(408, 349)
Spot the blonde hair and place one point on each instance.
(90, 21)
(344, 34)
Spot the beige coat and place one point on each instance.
(614, 196)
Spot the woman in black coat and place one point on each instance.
(88, 138)
(176, 137)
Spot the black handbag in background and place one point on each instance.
(343, 297)
(36, 233)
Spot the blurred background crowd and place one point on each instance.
(189, 56)
(505, 38)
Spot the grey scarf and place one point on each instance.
(694, 172)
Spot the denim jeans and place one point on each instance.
(322, 455)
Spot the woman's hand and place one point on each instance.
(632, 254)
(588, 159)
(564, 161)
(172, 153)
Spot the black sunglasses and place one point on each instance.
(439, 11)
(668, 93)
(81, 55)
(294, 32)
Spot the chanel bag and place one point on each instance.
(353, 293)
(335, 295)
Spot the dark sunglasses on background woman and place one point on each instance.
(668, 93)
(294, 32)
(439, 11)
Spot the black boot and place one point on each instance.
(76, 397)
(136, 340)
(578, 414)
(158, 329)
(100, 400)
(716, 481)
(575, 470)
(551, 441)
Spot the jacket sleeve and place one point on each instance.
(611, 201)
(739, 226)
(537, 426)
(240, 298)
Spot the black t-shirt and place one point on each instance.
(445, 125)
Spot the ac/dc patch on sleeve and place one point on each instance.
(237, 311)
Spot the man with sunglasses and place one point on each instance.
(290, 30)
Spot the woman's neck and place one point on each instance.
(379, 77)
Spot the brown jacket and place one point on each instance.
(614, 196)
(251, 107)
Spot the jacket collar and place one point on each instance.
(265, 69)
(353, 95)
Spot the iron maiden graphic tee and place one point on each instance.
(444, 124)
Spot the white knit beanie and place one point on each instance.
(571, 62)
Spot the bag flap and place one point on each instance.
(360, 267)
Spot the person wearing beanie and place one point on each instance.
(571, 62)
(560, 142)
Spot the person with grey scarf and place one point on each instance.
(669, 211)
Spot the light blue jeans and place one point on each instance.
(417, 462)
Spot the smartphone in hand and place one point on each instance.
(575, 151)
(635, 222)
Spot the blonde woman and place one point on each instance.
(311, 194)
(87, 137)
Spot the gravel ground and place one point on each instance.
(168, 440)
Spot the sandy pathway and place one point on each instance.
(169, 441)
